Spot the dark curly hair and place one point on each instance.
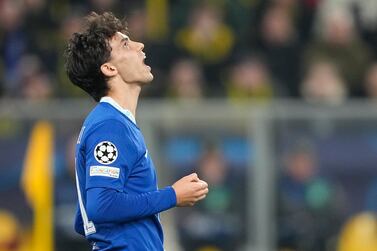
(89, 49)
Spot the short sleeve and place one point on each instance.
(110, 154)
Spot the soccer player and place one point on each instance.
(118, 198)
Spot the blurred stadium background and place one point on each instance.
(273, 102)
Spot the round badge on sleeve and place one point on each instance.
(105, 152)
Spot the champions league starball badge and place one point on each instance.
(105, 152)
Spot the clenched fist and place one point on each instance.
(189, 190)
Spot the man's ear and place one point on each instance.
(109, 70)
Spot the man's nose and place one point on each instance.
(139, 46)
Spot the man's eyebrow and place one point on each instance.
(124, 39)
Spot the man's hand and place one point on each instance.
(189, 190)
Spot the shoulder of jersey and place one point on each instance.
(101, 113)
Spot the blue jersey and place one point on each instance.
(118, 197)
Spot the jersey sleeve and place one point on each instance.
(79, 224)
(109, 206)
(110, 154)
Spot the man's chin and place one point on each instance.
(148, 79)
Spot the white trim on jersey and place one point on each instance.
(80, 135)
(89, 227)
(112, 102)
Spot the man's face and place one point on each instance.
(128, 58)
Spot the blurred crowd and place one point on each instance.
(320, 51)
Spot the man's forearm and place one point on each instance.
(106, 205)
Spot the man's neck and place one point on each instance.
(126, 96)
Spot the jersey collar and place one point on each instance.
(112, 102)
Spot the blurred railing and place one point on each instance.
(281, 160)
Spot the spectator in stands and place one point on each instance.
(217, 223)
(249, 79)
(186, 80)
(280, 44)
(308, 206)
(371, 82)
(365, 14)
(206, 36)
(13, 43)
(323, 84)
(34, 81)
(208, 39)
(37, 86)
(40, 28)
(339, 42)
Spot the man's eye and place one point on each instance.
(126, 44)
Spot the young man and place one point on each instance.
(118, 198)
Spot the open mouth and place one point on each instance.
(144, 57)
